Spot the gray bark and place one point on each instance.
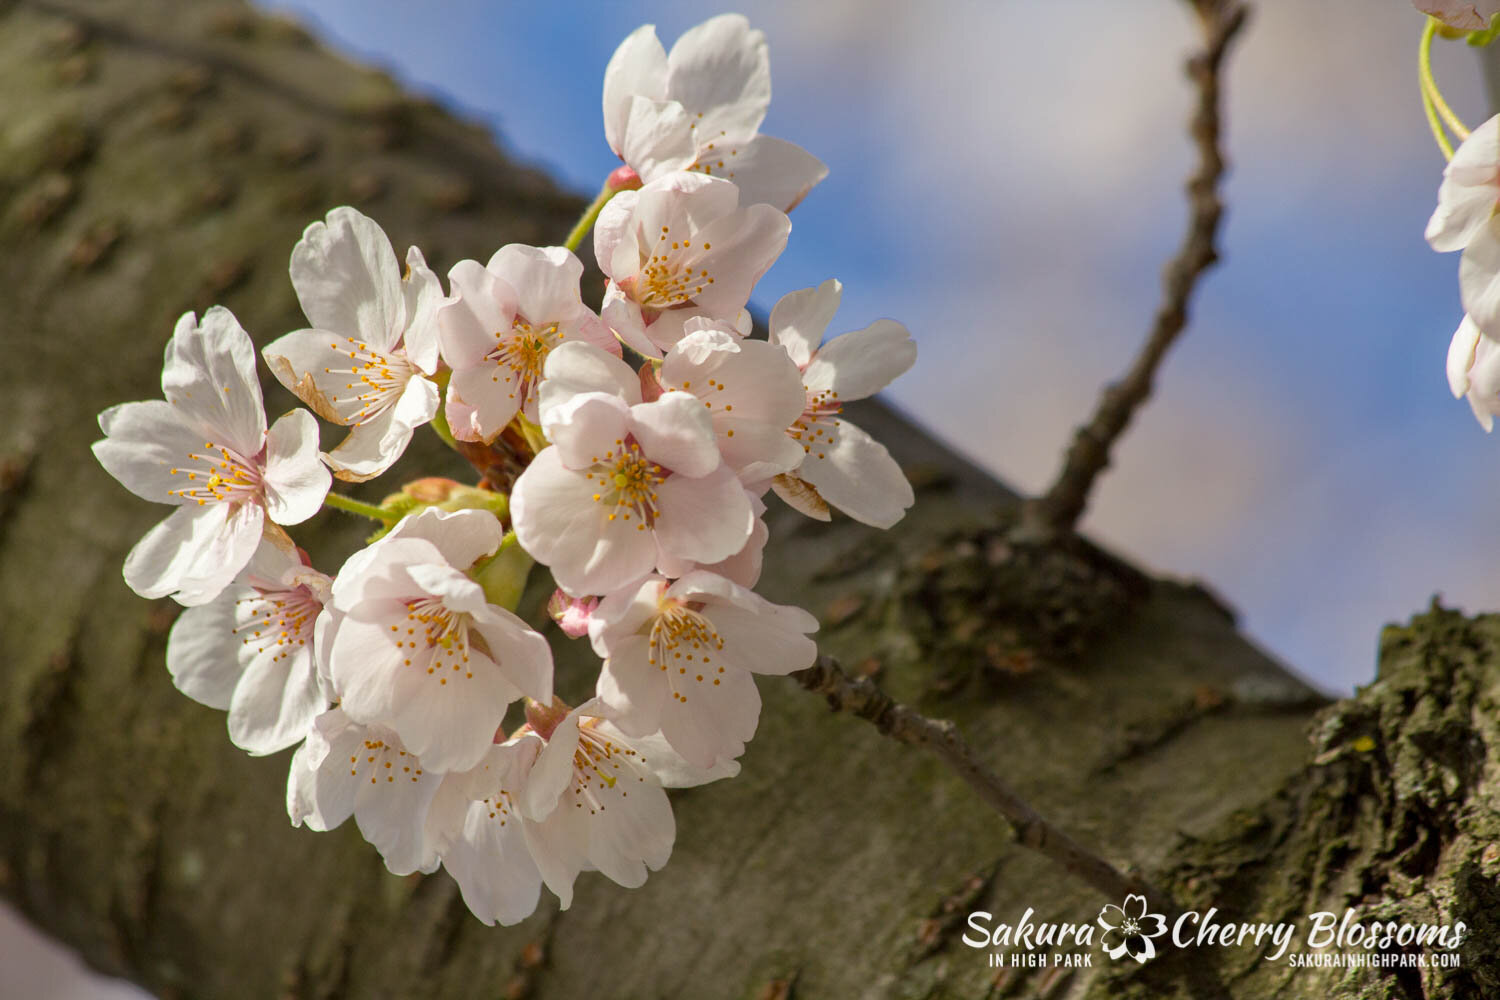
(159, 156)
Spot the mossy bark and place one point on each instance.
(157, 156)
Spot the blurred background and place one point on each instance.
(1007, 182)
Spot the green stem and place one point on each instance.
(1432, 99)
(590, 215)
(351, 506)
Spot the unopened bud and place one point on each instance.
(546, 718)
(651, 387)
(623, 178)
(571, 613)
(432, 489)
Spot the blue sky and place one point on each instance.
(1008, 185)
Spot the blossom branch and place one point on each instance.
(1058, 510)
(862, 698)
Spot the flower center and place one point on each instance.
(599, 764)
(682, 641)
(279, 620)
(523, 351)
(817, 428)
(381, 760)
(1130, 928)
(667, 277)
(377, 380)
(218, 475)
(443, 635)
(627, 482)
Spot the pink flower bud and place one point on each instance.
(623, 179)
(572, 613)
(543, 719)
(651, 387)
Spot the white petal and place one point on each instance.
(614, 228)
(546, 280)
(203, 651)
(860, 364)
(704, 519)
(1461, 356)
(461, 537)
(658, 138)
(519, 651)
(768, 170)
(481, 305)
(577, 368)
(552, 772)
(770, 641)
(362, 663)
(721, 72)
(800, 319)
(714, 718)
(492, 865)
(677, 433)
(296, 480)
(584, 427)
(742, 247)
(145, 442)
(209, 374)
(313, 368)
(635, 690)
(858, 476)
(275, 702)
(667, 764)
(422, 293)
(373, 447)
(347, 279)
(622, 315)
(195, 553)
(559, 845)
(637, 68)
(449, 717)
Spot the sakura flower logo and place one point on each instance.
(1128, 929)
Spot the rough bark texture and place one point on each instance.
(157, 156)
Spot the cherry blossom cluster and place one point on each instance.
(642, 441)
(1465, 220)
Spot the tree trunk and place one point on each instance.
(160, 156)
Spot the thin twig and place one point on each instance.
(862, 698)
(1057, 511)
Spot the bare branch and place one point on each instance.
(862, 698)
(1058, 510)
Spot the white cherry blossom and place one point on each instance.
(624, 479)
(678, 248)
(751, 390)
(678, 658)
(842, 465)
(497, 329)
(700, 108)
(421, 651)
(348, 769)
(475, 824)
(1474, 371)
(206, 449)
(250, 650)
(1465, 220)
(364, 361)
(590, 797)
